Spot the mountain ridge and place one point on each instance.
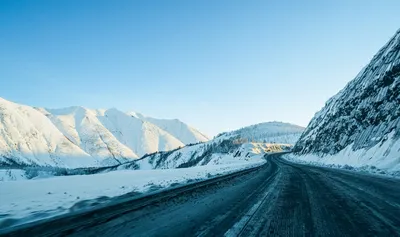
(243, 145)
(98, 137)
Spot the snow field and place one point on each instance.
(29, 200)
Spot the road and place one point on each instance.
(280, 199)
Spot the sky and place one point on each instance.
(217, 65)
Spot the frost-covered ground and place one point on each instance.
(24, 201)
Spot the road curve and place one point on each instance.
(280, 199)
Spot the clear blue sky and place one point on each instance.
(217, 65)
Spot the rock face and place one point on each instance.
(364, 115)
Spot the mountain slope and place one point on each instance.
(242, 145)
(269, 132)
(28, 137)
(84, 128)
(179, 129)
(78, 137)
(139, 135)
(361, 124)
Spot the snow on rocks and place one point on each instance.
(361, 124)
(383, 158)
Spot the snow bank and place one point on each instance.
(383, 158)
(29, 200)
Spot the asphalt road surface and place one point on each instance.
(280, 199)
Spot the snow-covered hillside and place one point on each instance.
(177, 128)
(28, 137)
(78, 137)
(269, 132)
(241, 145)
(117, 133)
(361, 124)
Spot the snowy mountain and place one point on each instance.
(241, 145)
(117, 132)
(269, 132)
(79, 137)
(177, 128)
(28, 137)
(361, 124)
